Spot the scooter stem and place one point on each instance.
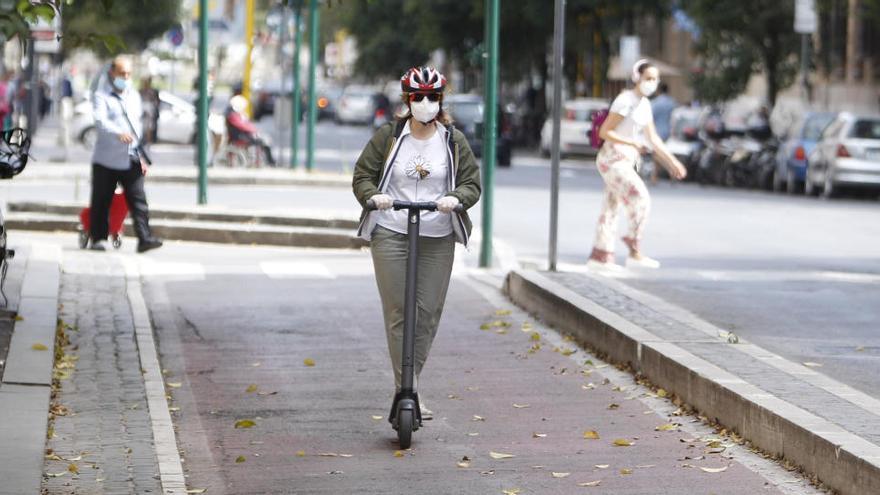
(409, 313)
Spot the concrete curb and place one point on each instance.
(218, 232)
(300, 219)
(27, 380)
(184, 175)
(842, 460)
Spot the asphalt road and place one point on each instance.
(799, 276)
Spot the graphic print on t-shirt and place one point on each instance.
(418, 167)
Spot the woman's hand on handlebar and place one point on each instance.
(382, 201)
(447, 204)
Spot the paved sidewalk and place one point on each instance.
(322, 429)
(102, 425)
(787, 409)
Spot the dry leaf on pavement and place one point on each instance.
(613, 406)
(300, 453)
(197, 490)
(622, 442)
(811, 364)
(626, 471)
(499, 455)
(539, 435)
(309, 362)
(245, 423)
(478, 418)
(714, 470)
(666, 427)
(521, 406)
(591, 435)
(251, 388)
(39, 347)
(73, 468)
(602, 466)
(174, 384)
(240, 459)
(661, 393)
(560, 475)
(377, 418)
(535, 336)
(502, 312)
(465, 462)
(398, 453)
(526, 326)
(590, 483)
(511, 491)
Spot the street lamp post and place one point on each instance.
(558, 39)
(203, 102)
(297, 90)
(314, 36)
(490, 126)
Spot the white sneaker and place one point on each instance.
(598, 266)
(643, 262)
(427, 414)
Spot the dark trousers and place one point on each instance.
(104, 182)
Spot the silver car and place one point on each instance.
(848, 154)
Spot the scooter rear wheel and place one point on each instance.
(405, 419)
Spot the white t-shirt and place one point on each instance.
(636, 112)
(419, 173)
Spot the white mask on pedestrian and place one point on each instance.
(120, 83)
(424, 111)
(648, 87)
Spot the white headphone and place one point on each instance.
(635, 70)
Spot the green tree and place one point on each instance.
(742, 38)
(133, 22)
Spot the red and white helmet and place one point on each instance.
(423, 80)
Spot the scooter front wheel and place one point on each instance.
(405, 419)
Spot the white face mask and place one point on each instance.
(648, 87)
(424, 111)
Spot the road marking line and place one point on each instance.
(167, 454)
(293, 269)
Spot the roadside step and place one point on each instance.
(305, 229)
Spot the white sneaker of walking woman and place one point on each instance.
(642, 262)
(604, 266)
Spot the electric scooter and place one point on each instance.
(406, 416)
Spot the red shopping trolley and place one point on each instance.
(118, 212)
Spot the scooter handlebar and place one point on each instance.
(414, 205)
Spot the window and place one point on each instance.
(865, 129)
(814, 126)
(833, 129)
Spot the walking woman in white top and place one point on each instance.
(629, 132)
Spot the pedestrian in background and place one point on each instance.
(5, 100)
(662, 106)
(627, 131)
(417, 157)
(151, 104)
(118, 157)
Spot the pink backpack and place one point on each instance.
(598, 118)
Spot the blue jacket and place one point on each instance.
(110, 123)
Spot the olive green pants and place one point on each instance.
(436, 255)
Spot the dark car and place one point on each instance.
(467, 112)
(265, 96)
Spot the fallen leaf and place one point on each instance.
(398, 453)
(240, 459)
(251, 388)
(502, 312)
(591, 435)
(39, 347)
(661, 393)
(175, 384)
(300, 453)
(589, 386)
(73, 468)
(535, 336)
(568, 352)
(666, 427)
(472, 434)
(539, 435)
(811, 364)
(256, 365)
(521, 406)
(511, 491)
(74, 459)
(478, 418)
(622, 442)
(602, 466)
(485, 326)
(526, 326)
(335, 472)
(488, 473)
(56, 475)
(453, 397)
(714, 470)
(309, 362)
(599, 367)
(613, 406)
(590, 483)
(197, 490)
(378, 418)
(626, 471)
(173, 409)
(345, 456)
(465, 462)
(860, 348)
(328, 454)
(499, 455)
(245, 423)
(560, 475)
(274, 392)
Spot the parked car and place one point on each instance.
(798, 144)
(848, 154)
(177, 121)
(467, 112)
(575, 126)
(684, 140)
(265, 97)
(358, 105)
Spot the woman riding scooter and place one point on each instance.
(418, 157)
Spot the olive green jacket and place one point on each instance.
(371, 173)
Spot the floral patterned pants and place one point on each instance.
(623, 187)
